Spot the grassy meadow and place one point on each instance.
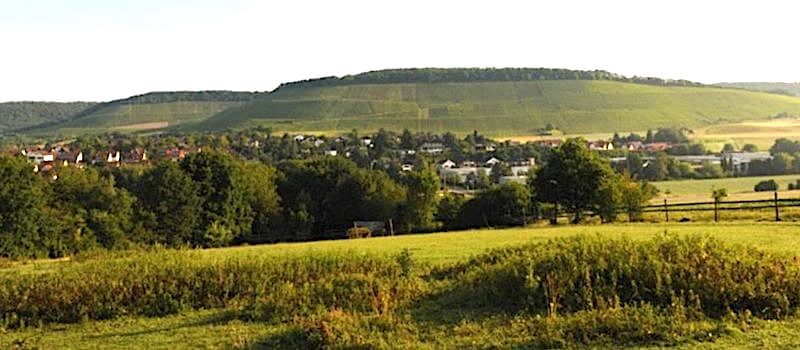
(739, 188)
(410, 291)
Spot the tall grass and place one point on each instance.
(168, 282)
(588, 273)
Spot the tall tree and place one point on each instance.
(105, 209)
(422, 186)
(221, 185)
(22, 203)
(572, 177)
(169, 194)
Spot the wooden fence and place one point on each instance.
(775, 209)
(775, 205)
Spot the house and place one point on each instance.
(657, 146)
(491, 162)
(601, 145)
(66, 157)
(740, 161)
(432, 147)
(331, 152)
(175, 153)
(549, 142)
(366, 141)
(468, 164)
(407, 167)
(39, 156)
(111, 158)
(135, 156)
(697, 161)
(407, 152)
(299, 138)
(524, 163)
(484, 147)
(634, 145)
(448, 164)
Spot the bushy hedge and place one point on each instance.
(167, 282)
(766, 186)
(578, 274)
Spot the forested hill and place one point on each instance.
(20, 115)
(792, 89)
(466, 75)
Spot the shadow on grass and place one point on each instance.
(217, 318)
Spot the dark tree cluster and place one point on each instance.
(20, 115)
(454, 75)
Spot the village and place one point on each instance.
(473, 162)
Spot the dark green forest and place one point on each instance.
(458, 75)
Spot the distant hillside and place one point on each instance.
(154, 110)
(498, 102)
(19, 115)
(507, 107)
(792, 89)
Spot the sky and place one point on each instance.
(100, 50)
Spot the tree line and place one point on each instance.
(211, 199)
(458, 75)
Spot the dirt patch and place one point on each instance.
(142, 126)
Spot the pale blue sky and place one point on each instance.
(96, 50)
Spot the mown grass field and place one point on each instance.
(675, 189)
(501, 109)
(221, 328)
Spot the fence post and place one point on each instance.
(666, 210)
(777, 212)
(554, 219)
(716, 209)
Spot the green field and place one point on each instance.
(732, 184)
(220, 328)
(501, 109)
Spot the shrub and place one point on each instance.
(578, 274)
(766, 185)
(359, 232)
(162, 283)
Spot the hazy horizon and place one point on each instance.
(93, 50)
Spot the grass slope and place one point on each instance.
(220, 328)
(500, 108)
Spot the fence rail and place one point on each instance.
(718, 206)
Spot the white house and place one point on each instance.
(448, 164)
(492, 161)
(432, 147)
(407, 167)
(601, 145)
